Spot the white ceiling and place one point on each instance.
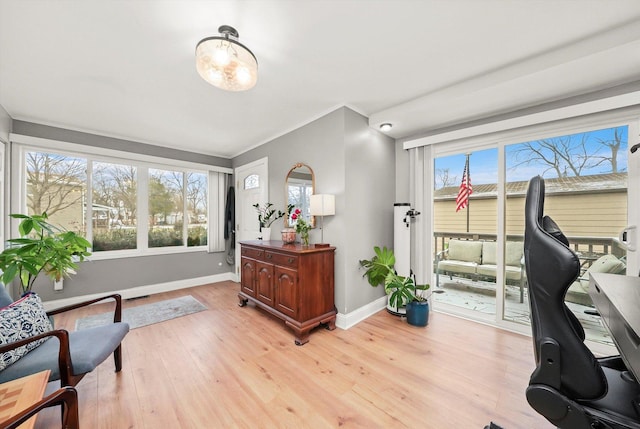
(126, 68)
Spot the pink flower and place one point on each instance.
(294, 216)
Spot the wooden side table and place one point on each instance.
(19, 394)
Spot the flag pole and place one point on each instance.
(468, 198)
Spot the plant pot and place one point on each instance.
(418, 313)
(266, 234)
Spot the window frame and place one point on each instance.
(22, 144)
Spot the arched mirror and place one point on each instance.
(299, 185)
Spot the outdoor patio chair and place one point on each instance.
(68, 355)
(569, 387)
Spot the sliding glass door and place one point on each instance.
(465, 227)
(478, 219)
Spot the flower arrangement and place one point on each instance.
(302, 227)
(267, 215)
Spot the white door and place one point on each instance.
(252, 186)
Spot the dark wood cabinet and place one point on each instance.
(290, 281)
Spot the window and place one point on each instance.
(119, 205)
(252, 181)
(56, 184)
(114, 206)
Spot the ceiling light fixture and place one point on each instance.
(226, 63)
(386, 126)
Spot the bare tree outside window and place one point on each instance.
(114, 210)
(573, 155)
(444, 178)
(56, 184)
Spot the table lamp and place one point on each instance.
(322, 205)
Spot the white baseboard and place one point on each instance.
(143, 290)
(346, 321)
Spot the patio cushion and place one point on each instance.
(513, 254)
(457, 266)
(489, 270)
(466, 251)
(607, 264)
(604, 264)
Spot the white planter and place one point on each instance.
(266, 234)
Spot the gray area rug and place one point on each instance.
(147, 314)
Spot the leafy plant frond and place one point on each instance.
(42, 248)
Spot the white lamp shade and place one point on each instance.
(323, 205)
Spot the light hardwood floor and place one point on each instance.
(230, 367)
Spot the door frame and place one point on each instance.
(260, 167)
(422, 170)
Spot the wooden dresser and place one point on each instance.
(290, 281)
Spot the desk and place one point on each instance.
(617, 299)
(19, 394)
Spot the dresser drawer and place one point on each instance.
(281, 259)
(252, 253)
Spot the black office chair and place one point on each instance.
(569, 387)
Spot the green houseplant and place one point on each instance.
(405, 291)
(379, 270)
(267, 214)
(41, 248)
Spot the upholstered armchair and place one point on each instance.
(68, 355)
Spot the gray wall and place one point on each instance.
(356, 164)
(69, 136)
(5, 125)
(101, 276)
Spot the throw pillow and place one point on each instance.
(607, 264)
(22, 319)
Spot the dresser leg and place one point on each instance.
(302, 335)
(330, 324)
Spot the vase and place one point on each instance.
(304, 237)
(288, 235)
(266, 234)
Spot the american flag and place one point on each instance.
(465, 189)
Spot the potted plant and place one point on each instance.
(41, 248)
(403, 292)
(266, 216)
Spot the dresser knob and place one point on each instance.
(290, 260)
(268, 255)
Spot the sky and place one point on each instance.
(483, 165)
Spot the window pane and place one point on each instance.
(197, 184)
(114, 211)
(252, 182)
(56, 184)
(586, 195)
(166, 208)
(465, 232)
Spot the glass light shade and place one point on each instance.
(226, 64)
